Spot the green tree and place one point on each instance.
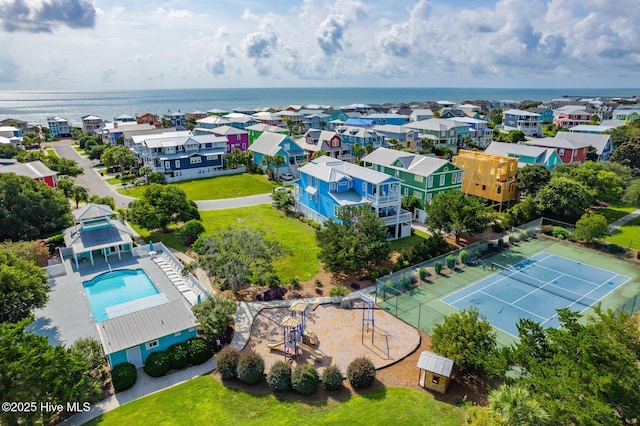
(237, 254)
(33, 370)
(591, 153)
(162, 205)
(96, 151)
(357, 151)
(214, 314)
(233, 159)
(107, 200)
(9, 151)
(410, 203)
(24, 286)
(145, 171)
(632, 194)
(523, 212)
(283, 201)
(495, 118)
(516, 407)
(591, 226)
(319, 153)
(30, 209)
(357, 241)
(35, 251)
(532, 177)
(466, 338)
(628, 153)
(190, 232)
(65, 183)
(272, 164)
(454, 212)
(577, 368)
(79, 193)
(563, 196)
(515, 136)
(608, 187)
(118, 156)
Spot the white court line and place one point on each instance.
(514, 306)
(586, 264)
(572, 276)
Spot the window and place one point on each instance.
(195, 160)
(499, 189)
(460, 177)
(454, 178)
(429, 196)
(364, 186)
(442, 180)
(561, 151)
(238, 136)
(167, 165)
(177, 164)
(333, 186)
(192, 329)
(406, 191)
(211, 157)
(417, 194)
(430, 182)
(177, 333)
(419, 179)
(152, 344)
(435, 380)
(484, 187)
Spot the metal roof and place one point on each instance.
(435, 363)
(33, 169)
(421, 165)
(92, 211)
(143, 326)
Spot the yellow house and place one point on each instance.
(488, 176)
(435, 371)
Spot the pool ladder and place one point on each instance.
(109, 265)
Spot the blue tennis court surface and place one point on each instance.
(535, 288)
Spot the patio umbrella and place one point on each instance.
(150, 245)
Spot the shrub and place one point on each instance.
(157, 364)
(271, 280)
(190, 232)
(491, 247)
(527, 233)
(405, 281)
(124, 376)
(500, 244)
(375, 274)
(361, 373)
(614, 248)
(178, 356)
(497, 227)
(437, 267)
(384, 272)
(423, 273)
(512, 239)
(318, 283)
(332, 378)
(279, 377)
(339, 291)
(250, 367)
(227, 363)
(295, 283)
(405, 263)
(199, 351)
(396, 267)
(305, 379)
(451, 261)
(546, 229)
(464, 257)
(559, 232)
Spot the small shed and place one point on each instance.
(435, 371)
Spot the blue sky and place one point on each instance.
(110, 45)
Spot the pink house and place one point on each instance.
(572, 118)
(568, 150)
(236, 138)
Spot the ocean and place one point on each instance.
(34, 107)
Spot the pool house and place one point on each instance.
(96, 233)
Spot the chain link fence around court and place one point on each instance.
(414, 297)
(632, 305)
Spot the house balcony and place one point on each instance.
(392, 219)
(380, 200)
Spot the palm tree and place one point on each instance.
(319, 153)
(515, 406)
(357, 151)
(145, 171)
(79, 193)
(278, 161)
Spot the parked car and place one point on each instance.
(286, 176)
(282, 189)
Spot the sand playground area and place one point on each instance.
(337, 336)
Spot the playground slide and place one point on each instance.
(317, 356)
(274, 345)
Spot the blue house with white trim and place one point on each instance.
(278, 144)
(326, 184)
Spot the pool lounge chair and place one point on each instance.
(191, 297)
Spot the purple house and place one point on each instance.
(236, 138)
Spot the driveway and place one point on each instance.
(96, 184)
(90, 179)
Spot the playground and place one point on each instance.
(331, 335)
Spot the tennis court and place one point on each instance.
(534, 288)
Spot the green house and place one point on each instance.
(422, 176)
(257, 129)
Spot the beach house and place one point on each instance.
(236, 138)
(524, 121)
(327, 184)
(59, 127)
(440, 131)
(257, 129)
(329, 141)
(269, 145)
(420, 176)
(36, 170)
(526, 154)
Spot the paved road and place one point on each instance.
(90, 179)
(96, 185)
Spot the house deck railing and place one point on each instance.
(384, 199)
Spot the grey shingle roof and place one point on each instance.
(133, 329)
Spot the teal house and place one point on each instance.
(97, 234)
(134, 336)
(421, 176)
(272, 144)
(526, 154)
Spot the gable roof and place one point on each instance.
(435, 363)
(417, 164)
(330, 169)
(521, 113)
(271, 143)
(433, 124)
(539, 154)
(33, 169)
(557, 142)
(139, 327)
(92, 211)
(598, 141)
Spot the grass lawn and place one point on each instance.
(628, 235)
(292, 233)
(408, 242)
(118, 181)
(613, 213)
(51, 153)
(204, 400)
(218, 187)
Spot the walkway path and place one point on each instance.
(232, 203)
(623, 220)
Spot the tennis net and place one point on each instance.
(515, 274)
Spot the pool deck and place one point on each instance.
(67, 317)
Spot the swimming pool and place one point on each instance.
(115, 288)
